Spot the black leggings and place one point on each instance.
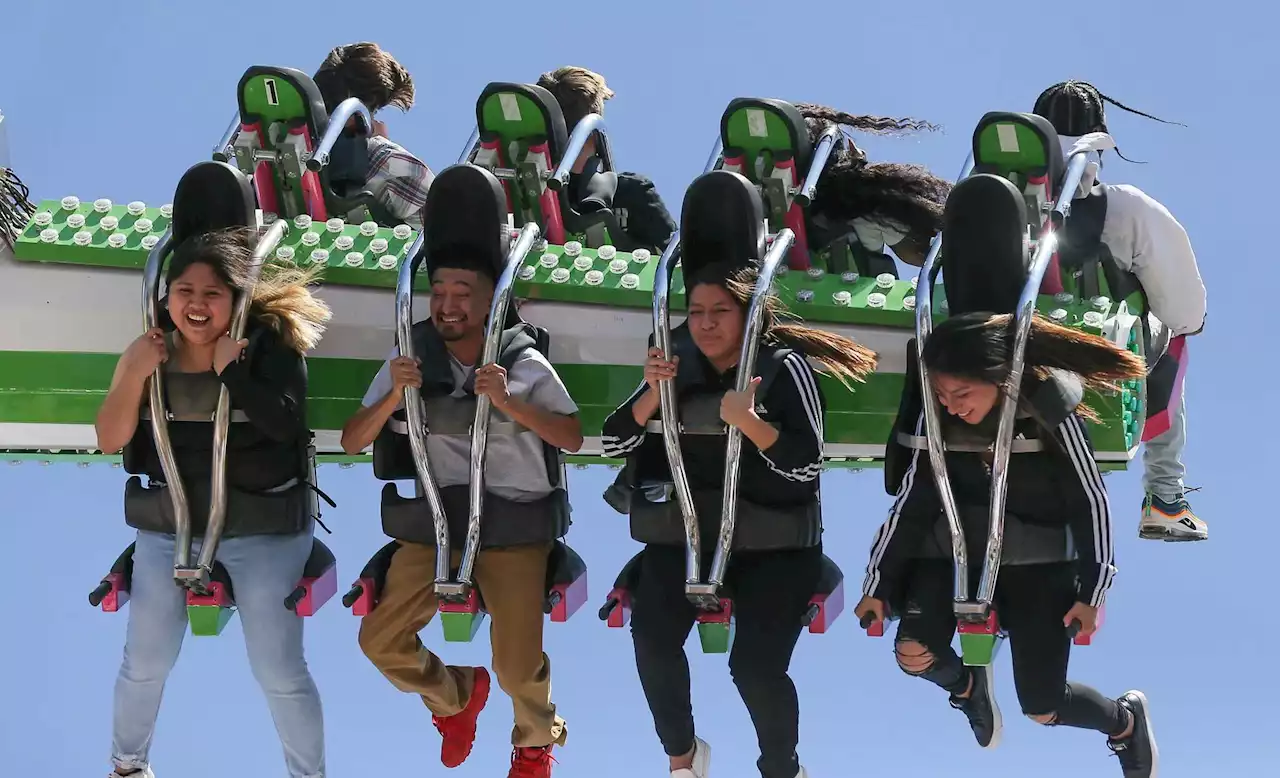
(770, 593)
(1031, 601)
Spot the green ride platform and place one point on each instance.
(64, 386)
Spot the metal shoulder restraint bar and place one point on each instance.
(1045, 249)
(196, 578)
(415, 422)
(706, 595)
(445, 586)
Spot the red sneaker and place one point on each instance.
(459, 730)
(531, 763)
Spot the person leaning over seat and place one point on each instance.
(398, 179)
(511, 580)
(883, 204)
(640, 210)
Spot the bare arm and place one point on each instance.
(361, 429)
(118, 417)
(384, 397)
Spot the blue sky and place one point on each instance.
(116, 100)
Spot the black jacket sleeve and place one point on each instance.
(914, 512)
(796, 404)
(643, 212)
(271, 390)
(1089, 512)
(620, 435)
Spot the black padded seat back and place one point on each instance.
(830, 577)
(317, 116)
(984, 260)
(564, 565)
(212, 196)
(466, 211)
(897, 458)
(467, 208)
(721, 220)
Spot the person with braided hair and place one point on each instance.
(1057, 557)
(882, 203)
(398, 180)
(1120, 223)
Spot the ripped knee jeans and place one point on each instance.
(946, 671)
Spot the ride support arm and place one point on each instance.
(1089, 513)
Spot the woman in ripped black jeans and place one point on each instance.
(1057, 559)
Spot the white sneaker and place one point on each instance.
(701, 762)
(143, 773)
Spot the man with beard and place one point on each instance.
(512, 579)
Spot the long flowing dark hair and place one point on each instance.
(844, 359)
(979, 346)
(852, 187)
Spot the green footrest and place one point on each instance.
(461, 626)
(979, 649)
(716, 637)
(209, 620)
(716, 629)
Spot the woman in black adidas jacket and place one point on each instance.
(781, 418)
(968, 357)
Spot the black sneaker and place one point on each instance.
(1139, 757)
(980, 707)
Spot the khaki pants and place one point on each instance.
(512, 582)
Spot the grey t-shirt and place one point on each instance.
(515, 466)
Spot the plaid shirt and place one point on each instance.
(399, 180)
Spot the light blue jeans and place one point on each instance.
(1163, 470)
(264, 569)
